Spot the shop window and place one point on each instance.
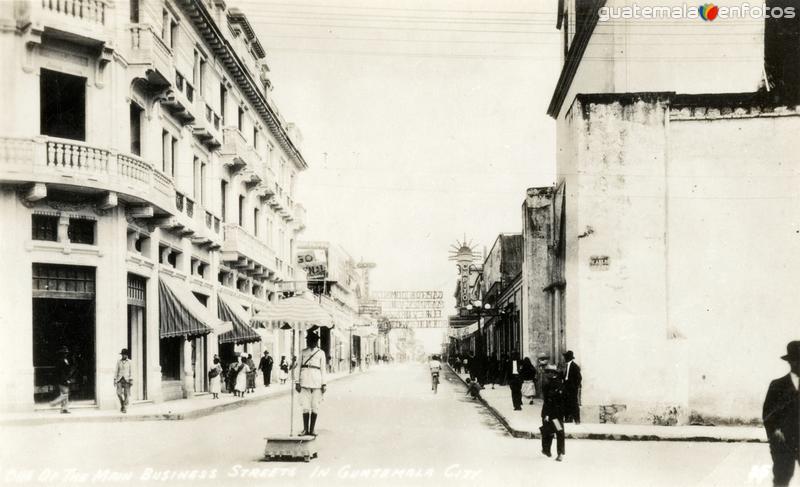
(170, 353)
(63, 281)
(81, 231)
(62, 102)
(44, 227)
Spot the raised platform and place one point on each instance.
(290, 448)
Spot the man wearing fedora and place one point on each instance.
(572, 388)
(123, 380)
(64, 373)
(781, 415)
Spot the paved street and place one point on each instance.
(381, 427)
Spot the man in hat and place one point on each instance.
(265, 366)
(312, 382)
(572, 387)
(781, 415)
(553, 414)
(123, 380)
(64, 373)
(515, 381)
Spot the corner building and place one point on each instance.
(147, 188)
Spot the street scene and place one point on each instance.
(368, 242)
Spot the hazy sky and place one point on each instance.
(422, 122)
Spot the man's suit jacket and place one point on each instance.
(782, 411)
(572, 378)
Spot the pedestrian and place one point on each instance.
(502, 369)
(542, 360)
(311, 385)
(251, 373)
(242, 370)
(528, 375)
(781, 415)
(515, 381)
(572, 388)
(230, 377)
(553, 414)
(123, 380)
(215, 378)
(491, 371)
(284, 370)
(473, 388)
(64, 377)
(265, 366)
(465, 364)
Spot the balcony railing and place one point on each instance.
(87, 10)
(62, 161)
(148, 51)
(183, 85)
(236, 151)
(238, 241)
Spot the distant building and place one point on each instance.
(674, 237)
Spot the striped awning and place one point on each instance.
(181, 314)
(242, 332)
(300, 312)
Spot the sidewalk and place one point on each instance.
(195, 407)
(526, 423)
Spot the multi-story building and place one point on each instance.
(501, 288)
(335, 279)
(147, 186)
(673, 228)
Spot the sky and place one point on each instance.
(423, 122)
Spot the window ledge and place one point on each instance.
(65, 247)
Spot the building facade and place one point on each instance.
(674, 246)
(144, 173)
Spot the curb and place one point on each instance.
(533, 435)
(168, 416)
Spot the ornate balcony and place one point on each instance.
(71, 163)
(237, 153)
(88, 22)
(180, 99)
(299, 217)
(207, 128)
(247, 253)
(151, 56)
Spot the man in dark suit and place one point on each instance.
(265, 366)
(515, 381)
(781, 417)
(572, 388)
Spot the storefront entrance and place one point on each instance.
(63, 316)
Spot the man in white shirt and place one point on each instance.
(435, 366)
(312, 382)
(123, 380)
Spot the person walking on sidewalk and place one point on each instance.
(215, 378)
(553, 414)
(64, 377)
(123, 380)
(781, 415)
(284, 370)
(312, 382)
(251, 374)
(572, 388)
(515, 381)
(265, 366)
(528, 375)
(242, 371)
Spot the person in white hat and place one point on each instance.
(312, 382)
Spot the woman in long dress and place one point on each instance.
(215, 384)
(528, 375)
(241, 376)
(284, 372)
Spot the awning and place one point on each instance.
(242, 332)
(299, 312)
(181, 314)
(464, 332)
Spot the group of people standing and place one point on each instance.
(240, 376)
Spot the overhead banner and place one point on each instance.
(411, 309)
(314, 262)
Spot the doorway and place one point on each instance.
(137, 335)
(63, 316)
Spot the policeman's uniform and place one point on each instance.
(312, 380)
